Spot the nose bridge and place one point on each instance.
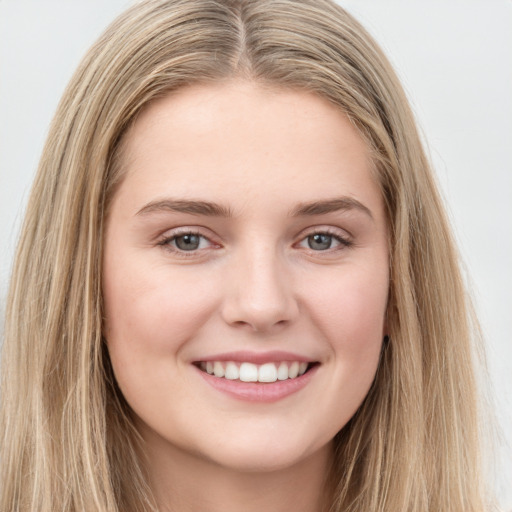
(261, 290)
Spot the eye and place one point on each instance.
(324, 241)
(186, 241)
(320, 241)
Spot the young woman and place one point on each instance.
(236, 288)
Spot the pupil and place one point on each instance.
(187, 242)
(319, 241)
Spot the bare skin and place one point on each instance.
(205, 486)
(248, 231)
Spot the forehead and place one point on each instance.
(239, 140)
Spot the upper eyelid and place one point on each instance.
(344, 241)
(171, 233)
(330, 230)
(199, 230)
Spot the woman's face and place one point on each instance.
(247, 239)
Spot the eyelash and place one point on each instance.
(166, 242)
(344, 242)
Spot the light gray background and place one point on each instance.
(455, 60)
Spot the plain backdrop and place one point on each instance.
(455, 60)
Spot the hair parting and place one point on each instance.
(68, 440)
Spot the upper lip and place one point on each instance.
(241, 356)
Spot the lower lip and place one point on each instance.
(259, 391)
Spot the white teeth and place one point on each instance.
(232, 371)
(267, 373)
(293, 371)
(282, 371)
(218, 369)
(248, 372)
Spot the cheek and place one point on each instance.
(149, 316)
(150, 310)
(350, 312)
(350, 302)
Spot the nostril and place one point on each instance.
(264, 305)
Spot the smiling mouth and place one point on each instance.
(249, 372)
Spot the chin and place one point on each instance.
(253, 454)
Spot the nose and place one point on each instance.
(260, 294)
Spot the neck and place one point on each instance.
(183, 482)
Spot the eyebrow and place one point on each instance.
(186, 206)
(329, 206)
(210, 209)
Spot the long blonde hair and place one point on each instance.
(67, 439)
